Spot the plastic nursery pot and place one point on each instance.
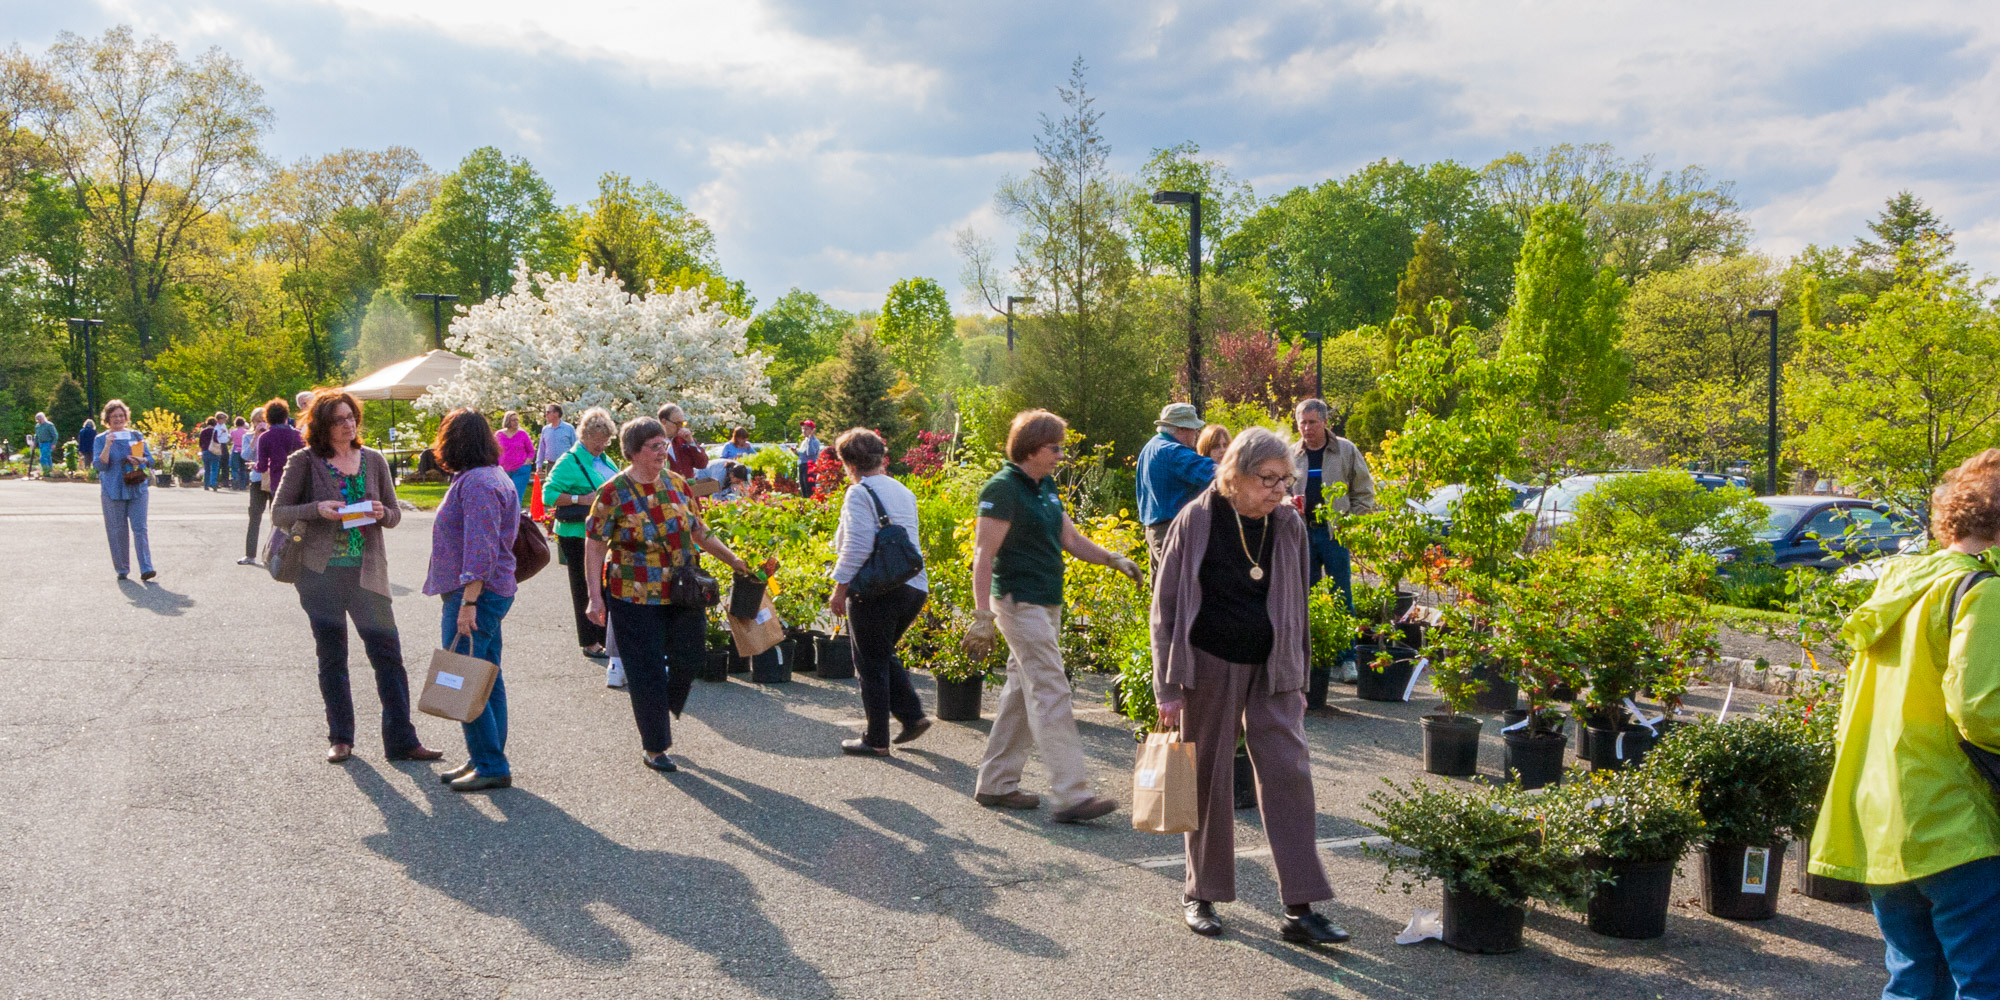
(1740, 882)
(714, 666)
(746, 596)
(803, 641)
(1634, 905)
(774, 665)
(1499, 695)
(1246, 781)
(1617, 749)
(1405, 600)
(1534, 760)
(958, 701)
(1512, 715)
(1451, 745)
(1826, 888)
(834, 657)
(1391, 683)
(1480, 925)
(738, 664)
(1316, 682)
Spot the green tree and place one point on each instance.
(801, 333)
(1432, 274)
(1699, 362)
(861, 392)
(1566, 312)
(68, 410)
(224, 368)
(916, 326)
(1160, 232)
(488, 213)
(643, 234)
(389, 333)
(1904, 223)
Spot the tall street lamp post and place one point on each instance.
(1771, 423)
(1192, 199)
(89, 327)
(1319, 363)
(437, 301)
(1011, 299)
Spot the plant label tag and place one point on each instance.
(1723, 716)
(1148, 777)
(1415, 673)
(452, 681)
(1618, 746)
(1523, 724)
(763, 615)
(1756, 870)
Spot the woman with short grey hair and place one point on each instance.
(1230, 648)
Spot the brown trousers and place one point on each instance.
(1232, 698)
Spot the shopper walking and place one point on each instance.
(1229, 660)
(556, 440)
(45, 442)
(642, 531)
(472, 571)
(1331, 474)
(568, 491)
(122, 451)
(517, 452)
(1907, 812)
(211, 452)
(86, 440)
(1170, 471)
(239, 475)
(879, 620)
(346, 567)
(1017, 586)
(274, 448)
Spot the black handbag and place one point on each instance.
(894, 560)
(1985, 761)
(688, 586)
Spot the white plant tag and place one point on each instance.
(763, 615)
(1723, 716)
(452, 681)
(1640, 717)
(1424, 925)
(1618, 746)
(1518, 725)
(1414, 674)
(1148, 777)
(1756, 869)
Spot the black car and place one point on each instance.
(1829, 532)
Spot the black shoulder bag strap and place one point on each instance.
(882, 513)
(1985, 761)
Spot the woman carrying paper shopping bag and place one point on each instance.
(1229, 657)
(340, 496)
(472, 569)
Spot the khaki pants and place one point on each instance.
(1034, 708)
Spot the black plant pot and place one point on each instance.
(714, 666)
(1246, 781)
(746, 597)
(738, 664)
(1826, 888)
(774, 665)
(1584, 720)
(1451, 745)
(1512, 715)
(1617, 749)
(1480, 925)
(1534, 760)
(1499, 694)
(1405, 600)
(1316, 681)
(808, 650)
(1635, 904)
(834, 657)
(959, 701)
(1389, 683)
(1724, 878)
(1562, 692)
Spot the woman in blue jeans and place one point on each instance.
(472, 569)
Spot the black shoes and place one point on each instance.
(1310, 928)
(860, 748)
(148, 575)
(476, 782)
(1200, 917)
(659, 763)
(913, 730)
(456, 773)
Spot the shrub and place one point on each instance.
(1628, 815)
(187, 470)
(1758, 780)
(1486, 841)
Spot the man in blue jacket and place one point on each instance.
(1171, 472)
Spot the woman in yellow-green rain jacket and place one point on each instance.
(1907, 812)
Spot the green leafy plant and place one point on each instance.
(1627, 815)
(1758, 780)
(773, 462)
(187, 470)
(1492, 842)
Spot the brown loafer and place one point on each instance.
(913, 730)
(1085, 811)
(1016, 799)
(338, 753)
(420, 753)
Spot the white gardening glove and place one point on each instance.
(1128, 567)
(981, 637)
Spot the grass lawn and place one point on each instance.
(425, 495)
(1729, 615)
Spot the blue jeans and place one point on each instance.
(211, 469)
(48, 455)
(522, 477)
(125, 527)
(1330, 558)
(486, 736)
(1942, 933)
(239, 473)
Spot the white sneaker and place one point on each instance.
(614, 674)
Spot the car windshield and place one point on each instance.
(1779, 521)
(1564, 495)
(1439, 504)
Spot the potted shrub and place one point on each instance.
(187, 470)
(1758, 782)
(1630, 827)
(715, 660)
(1332, 631)
(1451, 737)
(1635, 631)
(1387, 546)
(1529, 638)
(1486, 846)
(774, 665)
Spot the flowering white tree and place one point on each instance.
(585, 341)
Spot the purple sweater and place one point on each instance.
(273, 449)
(473, 537)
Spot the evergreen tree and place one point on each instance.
(861, 394)
(1567, 311)
(1904, 220)
(389, 333)
(1432, 274)
(68, 410)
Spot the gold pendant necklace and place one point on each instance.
(1243, 538)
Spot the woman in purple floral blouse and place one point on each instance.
(472, 568)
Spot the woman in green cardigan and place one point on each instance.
(571, 485)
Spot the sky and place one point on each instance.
(836, 146)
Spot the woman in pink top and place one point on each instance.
(517, 452)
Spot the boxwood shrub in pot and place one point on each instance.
(1758, 783)
(1487, 847)
(1630, 827)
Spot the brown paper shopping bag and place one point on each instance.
(755, 635)
(457, 686)
(1163, 786)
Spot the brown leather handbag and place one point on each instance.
(531, 549)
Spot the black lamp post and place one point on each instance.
(1011, 299)
(89, 359)
(1192, 199)
(437, 301)
(1771, 426)
(1319, 363)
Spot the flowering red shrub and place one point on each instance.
(927, 455)
(827, 474)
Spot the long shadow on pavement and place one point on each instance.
(865, 864)
(542, 869)
(155, 598)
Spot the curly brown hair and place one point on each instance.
(1967, 503)
(319, 420)
(465, 441)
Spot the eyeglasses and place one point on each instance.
(1273, 482)
(661, 445)
(348, 419)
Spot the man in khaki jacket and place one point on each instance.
(1321, 460)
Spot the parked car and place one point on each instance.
(1556, 505)
(1829, 532)
(1442, 505)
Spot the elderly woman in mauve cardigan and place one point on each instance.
(1229, 651)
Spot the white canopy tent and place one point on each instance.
(406, 380)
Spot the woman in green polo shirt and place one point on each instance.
(1017, 584)
(569, 490)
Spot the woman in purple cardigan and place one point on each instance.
(472, 569)
(1230, 648)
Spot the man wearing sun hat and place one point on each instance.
(1171, 472)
